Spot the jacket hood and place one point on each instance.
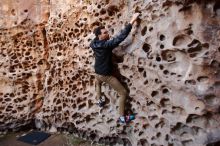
(96, 43)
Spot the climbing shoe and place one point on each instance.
(126, 119)
(101, 102)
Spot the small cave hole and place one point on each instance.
(165, 72)
(154, 93)
(151, 29)
(146, 47)
(216, 7)
(162, 37)
(140, 69)
(202, 78)
(165, 90)
(158, 58)
(143, 31)
(146, 82)
(190, 82)
(145, 74)
(102, 11)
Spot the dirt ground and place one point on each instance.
(54, 140)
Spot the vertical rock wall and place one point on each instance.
(169, 63)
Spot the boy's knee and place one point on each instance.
(124, 92)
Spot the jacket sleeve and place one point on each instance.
(119, 38)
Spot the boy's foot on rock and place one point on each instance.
(101, 102)
(126, 119)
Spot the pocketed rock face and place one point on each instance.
(170, 63)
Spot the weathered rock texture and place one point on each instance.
(170, 63)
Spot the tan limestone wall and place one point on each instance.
(169, 63)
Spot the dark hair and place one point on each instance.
(97, 30)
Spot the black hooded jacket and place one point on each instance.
(103, 51)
